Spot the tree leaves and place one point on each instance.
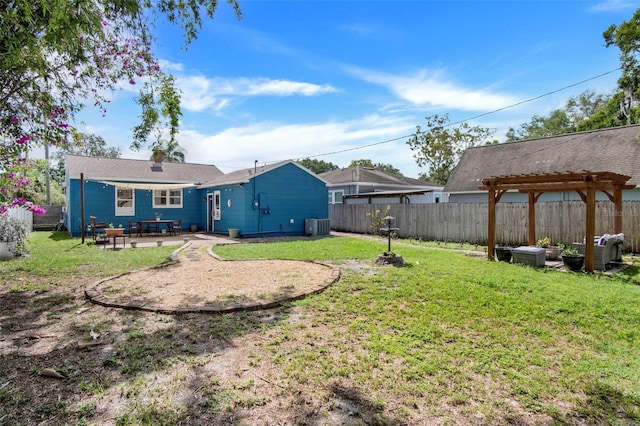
(439, 147)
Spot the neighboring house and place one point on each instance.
(608, 150)
(365, 185)
(256, 201)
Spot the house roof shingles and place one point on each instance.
(119, 169)
(608, 150)
(245, 175)
(365, 174)
(240, 176)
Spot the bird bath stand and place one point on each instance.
(389, 257)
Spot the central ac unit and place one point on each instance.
(311, 227)
(317, 227)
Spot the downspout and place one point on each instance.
(256, 203)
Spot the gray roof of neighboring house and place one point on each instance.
(360, 174)
(102, 168)
(607, 150)
(244, 175)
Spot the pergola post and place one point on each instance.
(591, 229)
(532, 219)
(617, 202)
(491, 230)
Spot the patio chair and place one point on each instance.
(175, 228)
(134, 228)
(603, 255)
(95, 226)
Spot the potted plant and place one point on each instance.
(503, 254)
(112, 230)
(571, 259)
(551, 251)
(134, 243)
(159, 242)
(13, 233)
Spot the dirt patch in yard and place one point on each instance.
(199, 281)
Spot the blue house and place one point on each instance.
(258, 201)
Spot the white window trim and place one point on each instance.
(217, 208)
(333, 196)
(120, 211)
(167, 206)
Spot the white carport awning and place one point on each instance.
(131, 185)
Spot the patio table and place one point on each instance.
(154, 225)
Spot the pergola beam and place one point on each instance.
(557, 177)
(553, 186)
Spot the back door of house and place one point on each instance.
(213, 210)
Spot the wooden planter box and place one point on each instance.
(110, 232)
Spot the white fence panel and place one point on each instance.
(24, 215)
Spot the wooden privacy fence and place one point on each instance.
(561, 221)
(49, 220)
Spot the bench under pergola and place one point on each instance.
(585, 183)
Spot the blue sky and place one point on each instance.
(336, 80)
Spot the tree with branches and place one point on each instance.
(57, 56)
(317, 166)
(365, 162)
(440, 146)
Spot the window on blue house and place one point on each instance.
(125, 202)
(167, 198)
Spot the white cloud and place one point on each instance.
(431, 88)
(265, 86)
(200, 92)
(615, 5)
(268, 142)
(166, 65)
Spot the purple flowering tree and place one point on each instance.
(58, 56)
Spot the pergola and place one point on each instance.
(585, 183)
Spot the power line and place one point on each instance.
(537, 97)
(475, 116)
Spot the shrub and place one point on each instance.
(378, 223)
(13, 230)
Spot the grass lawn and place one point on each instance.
(445, 339)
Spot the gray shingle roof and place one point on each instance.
(369, 175)
(101, 168)
(608, 150)
(244, 175)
